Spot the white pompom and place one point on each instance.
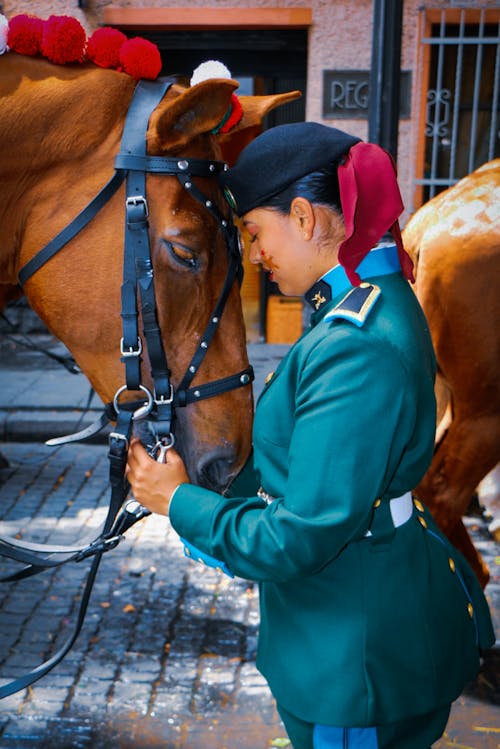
(4, 27)
(209, 69)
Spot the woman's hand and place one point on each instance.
(153, 483)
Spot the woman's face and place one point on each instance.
(283, 246)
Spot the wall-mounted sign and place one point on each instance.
(346, 94)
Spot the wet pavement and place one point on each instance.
(166, 656)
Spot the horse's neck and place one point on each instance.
(52, 119)
(52, 113)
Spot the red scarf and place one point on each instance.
(371, 204)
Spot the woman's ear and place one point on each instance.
(302, 214)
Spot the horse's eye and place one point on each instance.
(182, 255)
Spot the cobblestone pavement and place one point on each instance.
(166, 657)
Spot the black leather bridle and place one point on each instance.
(131, 166)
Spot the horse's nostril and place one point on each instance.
(215, 469)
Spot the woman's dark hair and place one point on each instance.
(317, 187)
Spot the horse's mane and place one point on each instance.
(85, 101)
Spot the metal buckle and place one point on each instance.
(165, 401)
(134, 201)
(131, 351)
(118, 436)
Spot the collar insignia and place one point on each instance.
(319, 294)
(318, 300)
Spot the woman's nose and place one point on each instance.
(254, 254)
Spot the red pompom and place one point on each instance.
(63, 39)
(140, 58)
(235, 116)
(103, 47)
(25, 34)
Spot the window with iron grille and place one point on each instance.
(459, 123)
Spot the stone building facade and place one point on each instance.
(450, 57)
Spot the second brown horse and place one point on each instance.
(455, 242)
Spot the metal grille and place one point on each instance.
(462, 123)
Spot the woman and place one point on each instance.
(371, 623)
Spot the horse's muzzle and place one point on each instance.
(216, 468)
(213, 470)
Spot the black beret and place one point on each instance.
(280, 156)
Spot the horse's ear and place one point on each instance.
(196, 110)
(255, 109)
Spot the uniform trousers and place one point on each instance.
(418, 732)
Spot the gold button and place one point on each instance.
(218, 569)
(422, 521)
(377, 503)
(451, 562)
(418, 504)
(200, 560)
(269, 378)
(470, 609)
(186, 551)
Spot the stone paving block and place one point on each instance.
(42, 707)
(92, 687)
(132, 675)
(96, 669)
(171, 699)
(128, 695)
(90, 703)
(24, 732)
(12, 704)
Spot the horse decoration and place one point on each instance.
(114, 225)
(454, 240)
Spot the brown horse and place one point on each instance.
(455, 242)
(60, 129)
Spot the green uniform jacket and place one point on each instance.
(355, 630)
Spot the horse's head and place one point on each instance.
(190, 261)
(77, 293)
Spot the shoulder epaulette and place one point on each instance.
(356, 305)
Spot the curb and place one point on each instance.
(32, 423)
(39, 425)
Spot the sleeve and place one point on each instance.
(351, 416)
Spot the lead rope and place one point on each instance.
(20, 339)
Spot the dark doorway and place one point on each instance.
(264, 61)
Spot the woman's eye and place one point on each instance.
(182, 255)
(253, 238)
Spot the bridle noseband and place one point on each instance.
(131, 165)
